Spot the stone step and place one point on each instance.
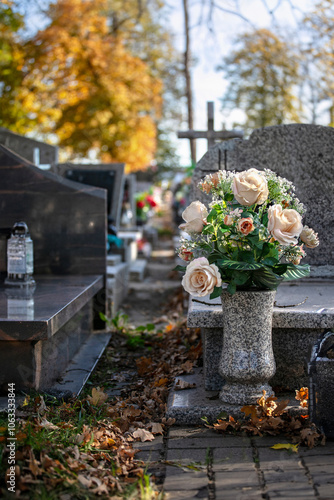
(117, 285)
(138, 270)
(113, 260)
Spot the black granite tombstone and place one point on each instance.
(26, 147)
(42, 330)
(109, 176)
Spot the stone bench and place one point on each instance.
(295, 330)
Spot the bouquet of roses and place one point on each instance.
(251, 238)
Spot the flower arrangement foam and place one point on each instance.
(251, 238)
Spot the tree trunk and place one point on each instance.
(189, 95)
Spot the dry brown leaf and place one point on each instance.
(143, 365)
(157, 428)
(84, 481)
(98, 397)
(143, 435)
(302, 396)
(181, 384)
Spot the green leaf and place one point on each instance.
(266, 278)
(222, 230)
(265, 219)
(150, 327)
(180, 268)
(296, 272)
(229, 197)
(232, 264)
(209, 229)
(214, 256)
(246, 256)
(269, 261)
(216, 292)
(240, 277)
(232, 288)
(212, 215)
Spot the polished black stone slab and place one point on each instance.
(67, 220)
(54, 302)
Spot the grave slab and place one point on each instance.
(189, 406)
(302, 311)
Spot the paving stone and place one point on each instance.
(227, 456)
(188, 455)
(290, 490)
(148, 456)
(328, 449)
(326, 492)
(268, 441)
(242, 467)
(284, 475)
(276, 459)
(235, 479)
(157, 444)
(193, 432)
(191, 479)
(239, 494)
(208, 442)
(312, 460)
(182, 495)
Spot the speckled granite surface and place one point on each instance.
(295, 329)
(189, 406)
(247, 361)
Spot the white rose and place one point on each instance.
(195, 216)
(309, 237)
(201, 277)
(284, 225)
(250, 187)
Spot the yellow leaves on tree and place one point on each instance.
(84, 86)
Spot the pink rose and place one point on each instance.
(246, 226)
(195, 216)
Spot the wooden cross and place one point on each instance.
(211, 135)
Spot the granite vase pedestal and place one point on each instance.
(247, 361)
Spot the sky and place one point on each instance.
(208, 84)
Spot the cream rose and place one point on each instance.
(284, 225)
(201, 277)
(309, 237)
(195, 216)
(250, 187)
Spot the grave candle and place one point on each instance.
(20, 261)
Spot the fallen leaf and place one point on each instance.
(182, 384)
(302, 396)
(157, 428)
(98, 397)
(285, 446)
(143, 435)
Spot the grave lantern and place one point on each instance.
(20, 259)
(321, 390)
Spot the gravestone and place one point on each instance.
(44, 330)
(304, 308)
(30, 149)
(109, 176)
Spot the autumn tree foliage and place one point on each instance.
(263, 72)
(94, 78)
(11, 62)
(320, 25)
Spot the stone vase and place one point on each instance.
(247, 361)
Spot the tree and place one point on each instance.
(320, 24)
(262, 75)
(93, 79)
(11, 63)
